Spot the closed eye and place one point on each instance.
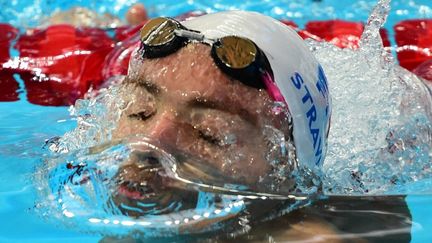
(142, 115)
(209, 138)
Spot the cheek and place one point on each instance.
(252, 164)
(125, 128)
(244, 161)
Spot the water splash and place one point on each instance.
(371, 38)
(96, 116)
(381, 126)
(83, 191)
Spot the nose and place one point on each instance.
(167, 129)
(162, 126)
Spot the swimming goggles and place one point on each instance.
(236, 56)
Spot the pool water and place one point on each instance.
(24, 127)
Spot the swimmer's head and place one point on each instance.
(136, 14)
(246, 130)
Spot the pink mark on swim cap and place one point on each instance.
(272, 89)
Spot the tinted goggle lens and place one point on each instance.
(235, 52)
(158, 31)
(158, 38)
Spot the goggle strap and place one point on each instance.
(271, 88)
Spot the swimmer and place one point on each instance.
(189, 99)
(212, 96)
(83, 17)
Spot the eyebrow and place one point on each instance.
(206, 103)
(150, 87)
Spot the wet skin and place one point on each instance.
(188, 104)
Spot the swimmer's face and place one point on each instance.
(188, 104)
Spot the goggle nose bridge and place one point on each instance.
(193, 35)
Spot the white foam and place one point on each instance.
(380, 134)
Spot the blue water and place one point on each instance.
(24, 127)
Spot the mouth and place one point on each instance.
(141, 179)
(135, 190)
(141, 190)
(150, 194)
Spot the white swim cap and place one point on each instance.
(297, 73)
